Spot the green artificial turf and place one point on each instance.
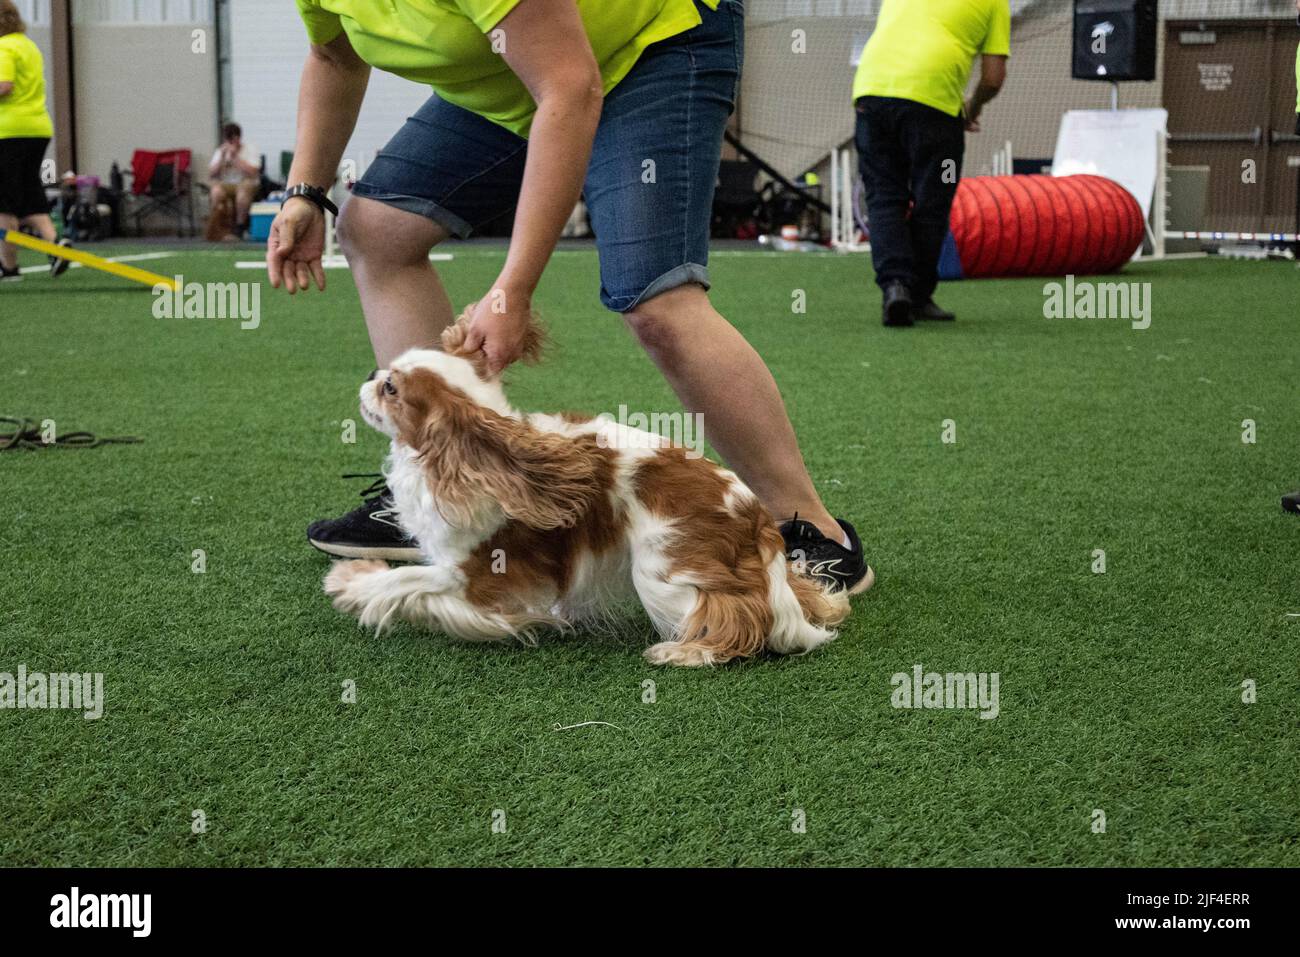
(1119, 691)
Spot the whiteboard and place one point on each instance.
(1122, 145)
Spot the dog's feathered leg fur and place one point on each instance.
(428, 595)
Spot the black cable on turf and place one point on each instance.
(26, 434)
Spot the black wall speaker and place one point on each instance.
(1115, 39)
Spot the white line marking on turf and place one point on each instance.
(141, 257)
(338, 263)
(583, 724)
(135, 258)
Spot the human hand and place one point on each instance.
(295, 245)
(498, 328)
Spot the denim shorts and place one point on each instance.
(649, 186)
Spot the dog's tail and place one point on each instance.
(759, 603)
(820, 605)
(805, 612)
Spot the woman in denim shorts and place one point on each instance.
(535, 103)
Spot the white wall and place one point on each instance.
(268, 45)
(142, 87)
(142, 12)
(138, 82)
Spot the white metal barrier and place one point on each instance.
(844, 229)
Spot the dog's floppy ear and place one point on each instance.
(453, 341)
(477, 458)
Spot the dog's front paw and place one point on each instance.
(342, 575)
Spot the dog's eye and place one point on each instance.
(389, 388)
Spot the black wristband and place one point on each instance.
(314, 195)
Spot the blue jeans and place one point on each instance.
(909, 154)
(649, 186)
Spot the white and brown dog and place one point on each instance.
(538, 521)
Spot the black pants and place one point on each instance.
(909, 154)
(21, 191)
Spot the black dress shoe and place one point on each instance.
(930, 310)
(896, 306)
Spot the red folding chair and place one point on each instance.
(161, 183)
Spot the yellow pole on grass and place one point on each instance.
(121, 270)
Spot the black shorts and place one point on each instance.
(21, 191)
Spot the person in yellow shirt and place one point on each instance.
(911, 119)
(25, 131)
(534, 103)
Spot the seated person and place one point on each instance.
(235, 173)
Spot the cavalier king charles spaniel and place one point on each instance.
(532, 522)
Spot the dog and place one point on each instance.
(534, 522)
(221, 218)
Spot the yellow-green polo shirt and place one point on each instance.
(22, 112)
(922, 50)
(448, 45)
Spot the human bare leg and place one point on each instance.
(8, 251)
(43, 225)
(402, 297)
(715, 372)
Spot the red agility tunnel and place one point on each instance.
(1044, 226)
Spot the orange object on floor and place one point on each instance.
(1044, 226)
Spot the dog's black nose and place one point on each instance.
(370, 378)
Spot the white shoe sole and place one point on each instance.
(394, 553)
(868, 580)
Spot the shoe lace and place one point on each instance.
(376, 489)
(803, 529)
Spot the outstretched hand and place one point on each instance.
(295, 246)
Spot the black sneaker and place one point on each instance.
(932, 311)
(10, 275)
(1291, 502)
(896, 305)
(59, 266)
(371, 531)
(815, 555)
